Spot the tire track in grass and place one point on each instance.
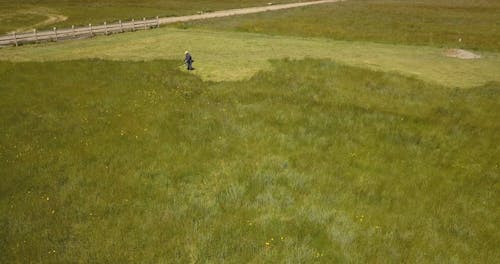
(52, 18)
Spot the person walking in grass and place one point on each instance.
(188, 60)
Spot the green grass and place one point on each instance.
(118, 161)
(10, 21)
(223, 56)
(438, 23)
(81, 12)
(275, 149)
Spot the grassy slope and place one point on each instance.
(139, 162)
(13, 14)
(235, 56)
(429, 22)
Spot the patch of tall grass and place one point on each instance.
(312, 162)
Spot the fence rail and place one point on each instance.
(16, 39)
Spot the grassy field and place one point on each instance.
(223, 56)
(429, 22)
(311, 162)
(23, 14)
(279, 148)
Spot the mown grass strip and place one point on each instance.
(223, 56)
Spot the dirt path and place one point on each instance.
(242, 11)
(53, 18)
(69, 33)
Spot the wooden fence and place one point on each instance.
(105, 29)
(55, 34)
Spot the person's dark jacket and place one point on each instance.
(188, 58)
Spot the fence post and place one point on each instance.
(157, 22)
(105, 28)
(133, 24)
(73, 30)
(121, 25)
(15, 38)
(36, 35)
(144, 21)
(55, 32)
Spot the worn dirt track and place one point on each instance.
(69, 33)
(242, 11)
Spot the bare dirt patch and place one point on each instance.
(461, 54)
